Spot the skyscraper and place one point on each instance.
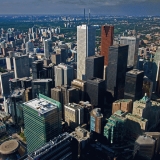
(116, 70)
(85, 47)
(4, 83)
(133, 43)
(106, 41)
(81, 86)
(21, 66)
(64, 74)
(42, 119)
(95, 91)
(36, 67)
(29, 47)
(74, 114)
(94, 66)
(47, 48)
(65, 95)
(42, 86)
(134, 84)
(96, 119)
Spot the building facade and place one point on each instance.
(64, 74)
(95, 92)
(85, 47)
(133, 43)
(116, 70)
(42, 86)
(58, 148)
(21, 66)
(134, 84)
(106, 41)
(42, 119)
(94, 67)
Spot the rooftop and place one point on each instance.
(52, 145)
(134, 71)
(145, 140)
(9, 147)
(41, 105)
(42, 80)
(135, 117)
(18, 92)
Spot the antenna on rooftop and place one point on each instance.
(88, 16)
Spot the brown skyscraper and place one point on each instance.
(106, 41)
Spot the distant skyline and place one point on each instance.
(108, 7)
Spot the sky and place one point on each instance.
(108, 7)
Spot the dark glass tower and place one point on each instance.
(95, 91)
(116, 70)
(94, 66)
(42, 86)
(36, 67)
(134, 84)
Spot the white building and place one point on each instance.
(29, 47)
(133, 43)
(47, 48)
(85, 47)
(64, 74)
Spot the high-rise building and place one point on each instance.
(29, 47)
(58, 148)
(156, 72)
(147, 86)
(21, 66)
(116, 70)
(42, 86)
(74, 115)
(136, 126)
(63, 55)
(87, 109)
(64, 74)
(144, 147)
(65, 95)
(96, 119)
(81, 139)
(42, 119)
(4, 83)
(115, 128)
(95, 92)
(9, 63)
(133, 43)
(81, 85)
(17, 99)
(47, 48)
(36, 67)
(56, 94)
(106, 41)
(85, 47)
(94, 66)
(126, 105)
(134, 85)
(56, 59)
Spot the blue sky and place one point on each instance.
(109, 7)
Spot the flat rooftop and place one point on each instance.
(18, 92)
(41, 80)
(9, 147)
(134, 71)
(41, 105)
(145, 140)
